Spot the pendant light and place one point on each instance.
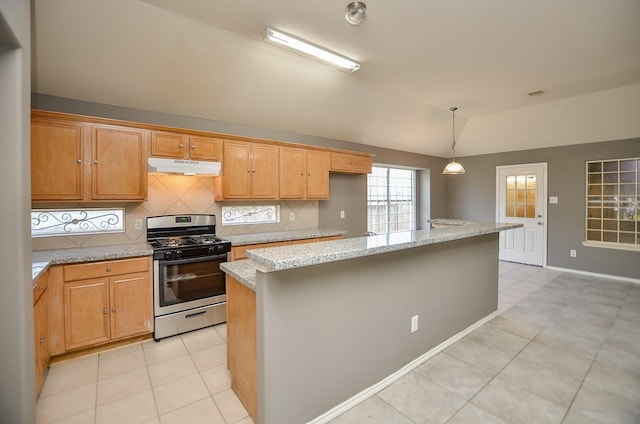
(453, 167)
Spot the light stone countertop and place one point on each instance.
(287, 257)
(41, 259)
(243, 271)
(276, 236)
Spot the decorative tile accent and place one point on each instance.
(64, 222)
(255, 214)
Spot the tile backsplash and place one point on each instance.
(174, 194)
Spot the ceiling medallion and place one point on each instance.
(356, 13)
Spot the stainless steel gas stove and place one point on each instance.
(189, 287)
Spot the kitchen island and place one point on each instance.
(312, 326)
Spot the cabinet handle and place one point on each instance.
(108, 269)
(253, 171)
(113, 309)
(95, 162)
(79, 161)
(181, 146)
(193, 146)
(105, 311)
(42, 339)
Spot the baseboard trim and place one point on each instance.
(595, 274)
(387, 381)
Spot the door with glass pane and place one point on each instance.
(521, 198)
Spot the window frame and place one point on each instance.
(604, 186)
(388, 200)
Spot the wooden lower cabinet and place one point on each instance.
(108, 307)
(41, 329)
(240, 252)
(241, 344)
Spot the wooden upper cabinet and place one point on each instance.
(205, 148)
(57, 160)
(119, 163)
(304, 173)
(317, 174)
(351, 163)
(73, 160)
(176, 145)
(292, 173)
(169, 145)
(249, 171)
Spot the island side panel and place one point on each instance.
(327, 332)
(241, 344)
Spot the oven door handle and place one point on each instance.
(192, 260)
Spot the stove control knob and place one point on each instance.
(212, 249)
(168, 254)
(178, 253)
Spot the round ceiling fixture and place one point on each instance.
(356, 12)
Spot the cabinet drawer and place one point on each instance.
(105, 268)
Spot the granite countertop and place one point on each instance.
(41, 259)
(276, 236)
(286, 257)
(243, 271)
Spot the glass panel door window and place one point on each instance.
(391, 205)
(613, 201)
(521, 196)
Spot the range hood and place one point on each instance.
(183, 166)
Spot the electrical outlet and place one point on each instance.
(138, 224)
(292, 216)
(341, 214)
(572, 253)
(414, 323)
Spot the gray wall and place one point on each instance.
(346, 191)
(472, 196)
(327, 332)
(17, 401)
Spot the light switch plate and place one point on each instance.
(553, 199)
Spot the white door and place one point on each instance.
(521, 198)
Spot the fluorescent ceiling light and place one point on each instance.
(306, 47)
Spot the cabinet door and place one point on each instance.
(41, 335)
(264, 175)
(361, 164)
(86, 313)
(205, 148)
(57, 159)
(130, 300)
(292, 173)
(236, 170)
(119, 164)
(340, 162)
(169, 145)
(317, 175)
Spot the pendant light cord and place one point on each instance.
(453, 145)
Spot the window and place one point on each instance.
(613, 202)
(250, 214)
(521, 196)
(70, 222)
(391, 204)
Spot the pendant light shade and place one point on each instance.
(453, 167)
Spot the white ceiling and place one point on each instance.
(206, 58)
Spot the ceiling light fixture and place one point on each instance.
(453, 167)
(300, 45)
(356, 13)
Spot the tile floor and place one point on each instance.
(564, 349)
